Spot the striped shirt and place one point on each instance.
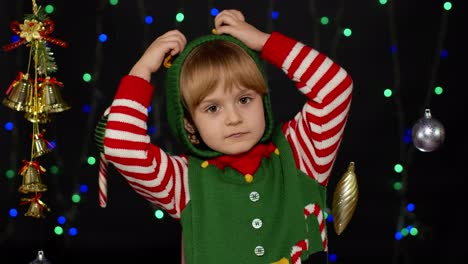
(314, 133)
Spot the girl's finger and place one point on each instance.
(225, 17)
(237, 14)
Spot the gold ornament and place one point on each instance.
(51, 100)
(40, 145)
(345, 199)
(36, 206)
(32, 181)
(20, 94)
(37, 94)
(39, 118)
(30, 30)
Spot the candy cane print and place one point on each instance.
(315, 209)
(297, 251)
(103, 164)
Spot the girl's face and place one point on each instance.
(230, 121)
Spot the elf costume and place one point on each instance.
(263, 206)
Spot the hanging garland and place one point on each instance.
(36, 93)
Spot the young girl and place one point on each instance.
(246, 191)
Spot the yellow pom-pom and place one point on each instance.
(204, 164)
(248, 178)
(281, 261)
(213, 31)
(277, 151)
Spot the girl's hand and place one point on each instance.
(232, 22)
(171, 42)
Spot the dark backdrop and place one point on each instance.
(128, 231)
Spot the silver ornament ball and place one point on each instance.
(428, 133)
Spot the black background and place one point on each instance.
(127, 231)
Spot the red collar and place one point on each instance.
(245, 163)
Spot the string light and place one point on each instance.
(159, 214)
(73, 231)
(91, 160)
(76, 198)
(9, 126)
(61, 220)
(58, 230)
(87, 77)
(180, 17)
(214, 12)
(10, 174)
(324, 20)
(398, 185)
(102, 37)
(149, 20)
(49, 9)
(275, 15)
(406, 224)
(13, 212)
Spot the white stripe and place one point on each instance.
(318, 146)
(320, 216)
(126, 136)
(292, 133)
(125, 153)
(310, 209)
(319, 129)
(326, 127)
(305, 64)
(156, 195)
(321, 112)
(107, 111)
(102, 183)
(137, 169)
(183, 163)
(304, 162)
(177, 190)
(131, 104)
(295, 249)
(155, 200)
(323, 235)
(316, 76)
(332, 140)
(291, 56)
(148, 170)
(333, 83)
(124, 118)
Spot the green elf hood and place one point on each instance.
(174, 105)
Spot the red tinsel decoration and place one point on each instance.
(48, 28)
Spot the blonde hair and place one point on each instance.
(218, 63)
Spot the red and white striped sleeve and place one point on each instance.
(154, 174)
(316, 131)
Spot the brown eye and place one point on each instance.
(212, 109)
(245, 100)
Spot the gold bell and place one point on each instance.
(41, 118)
(32, 182)
(35, 210)
(36, 206)
(40, 145)
(20, 94)
(51, 98)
